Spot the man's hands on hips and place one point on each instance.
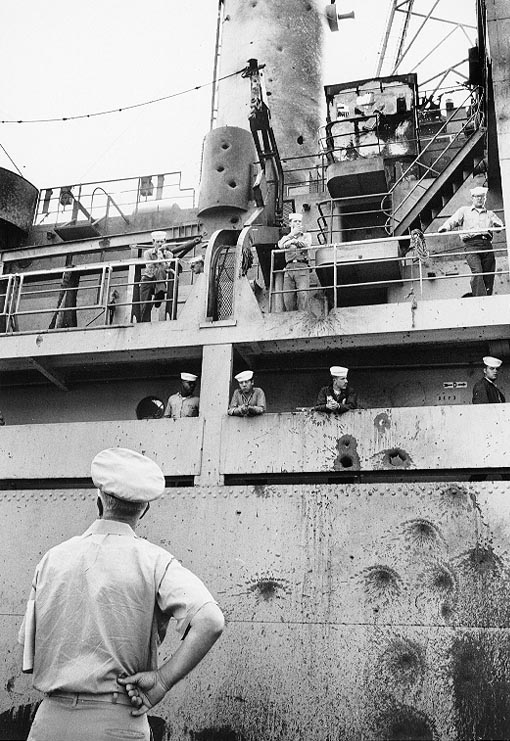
(145, 689)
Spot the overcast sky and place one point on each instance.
(62, 58)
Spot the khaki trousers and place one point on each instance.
(65, 719)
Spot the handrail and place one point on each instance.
(129, 193)
(322, 220)
(109, 200)
(428, 168)
(23, 299)
(336, 265)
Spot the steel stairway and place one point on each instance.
(435, 185)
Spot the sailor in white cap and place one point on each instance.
(477, 224)
(197, 264)
(485, 390)
(338, 397)
(247, 400)
(153, 283)
(160, 274)
(184, 403)
(296, 275)
(102, 600)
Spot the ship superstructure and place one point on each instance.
(361, 560)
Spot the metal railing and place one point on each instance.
(310, 171)
(432, 168)
(84, 295)
(7, 293)
(85, 201)
(413, 269)
(357, 208)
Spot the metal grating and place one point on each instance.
(225, 277)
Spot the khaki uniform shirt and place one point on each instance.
(182, 406)
(478, 221)
(256, 399)
(102, 602)
(296, 246)
(153, 269)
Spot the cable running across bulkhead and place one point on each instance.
(121, 109)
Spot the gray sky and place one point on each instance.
(65, 59)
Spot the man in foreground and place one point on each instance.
(100, 605)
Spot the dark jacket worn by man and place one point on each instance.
(347, 398)
(486, 392)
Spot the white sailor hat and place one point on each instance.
(127, 475)
(159, 236)
(197, 258)
(188, 377)
(491, 362)
(479, 190)
(337, 371)
(299, 217)
(246, 375)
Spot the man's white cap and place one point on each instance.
(127, 475)
(491, 362)
(197, 258)
(244, 376)
(296, 216)
(337, 371)
(159, 236)
(188, 377)
(479, 191)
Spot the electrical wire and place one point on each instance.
(10, 158)
(121, 109)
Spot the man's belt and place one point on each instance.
(305, 262)
(484, 237)
(119, 698)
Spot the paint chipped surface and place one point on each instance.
(347, 458)
(370, 611)
(268, 588)
(395, 458)
(382, 422)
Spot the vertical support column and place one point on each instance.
(337, 225)
(214, 398)
(132, 294)
(498, 24)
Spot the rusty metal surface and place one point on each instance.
(402, 438)
(18, 199)
(353, 612)
(264, 25)
(228, 153)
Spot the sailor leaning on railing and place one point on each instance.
(478, 222)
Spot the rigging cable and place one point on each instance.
(121, 109)
(10, 158)
(419, 244)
